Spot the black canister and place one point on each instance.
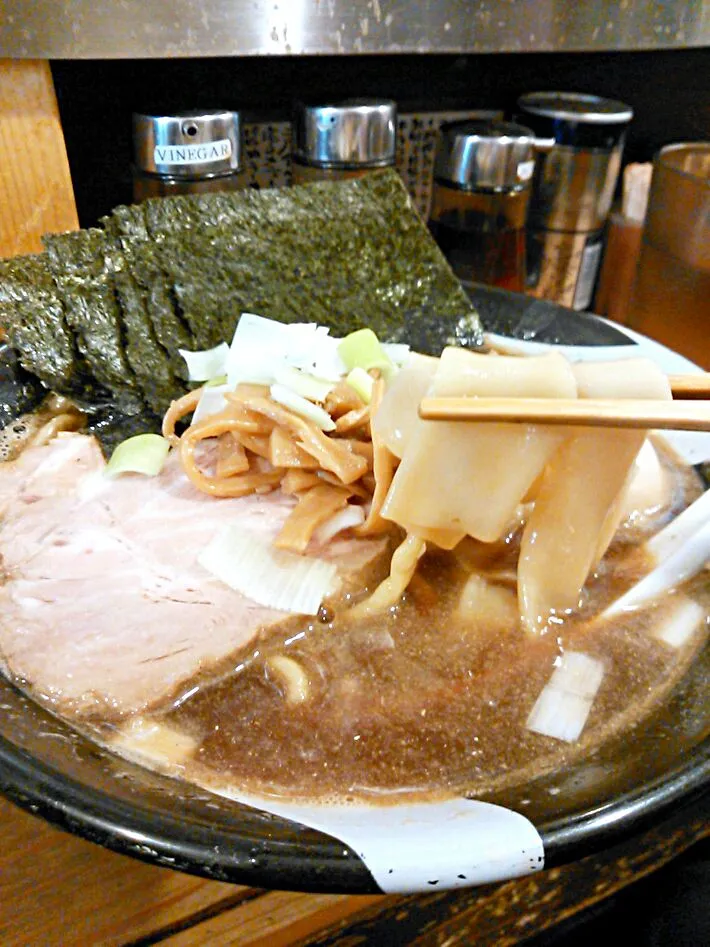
(186, 153)
(573, 190)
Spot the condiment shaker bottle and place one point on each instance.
(623, 244)
(573, 190)
(343, 140)
(191, 152)
(482, 180)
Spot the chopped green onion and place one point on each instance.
(304, 384)
(212, 401)
(362, 349)
(219, 380)
(144, 454)
(207, 363)
(306, 409)
(362, 383)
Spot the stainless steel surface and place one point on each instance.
(359, 132)
(85, 29)
(486, 155)
(576, 107)
(573, 189)
(189, 144)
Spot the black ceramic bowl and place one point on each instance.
(630, 783)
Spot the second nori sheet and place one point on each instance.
(79, 265)
(33, 316)
(343, 254)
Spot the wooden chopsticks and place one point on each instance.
(683, 413)
(690, 386)
(627, 413)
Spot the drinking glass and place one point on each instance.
(671, 296)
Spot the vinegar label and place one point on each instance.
(202, 153)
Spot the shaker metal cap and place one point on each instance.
(359, 132)
(194, 144)
(486, 155)
(576, 107)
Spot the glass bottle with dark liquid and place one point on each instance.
(480, 197)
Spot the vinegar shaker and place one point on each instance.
(482, 185)
(343, 140)
(573, 190)
(186, 153)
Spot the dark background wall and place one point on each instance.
(669, 91)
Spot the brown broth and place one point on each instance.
(417, 701)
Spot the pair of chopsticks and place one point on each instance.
(689, 410)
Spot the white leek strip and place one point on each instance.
(207, 363)
(212, 401)
(262, 347)
(346, 518)
(397, 352)
(275, 578)
(144, 454)
(688, 559)
(564, 703)
(670, 539)
(259, 346)
(361, 383)
(303, 384)
(299, 405)
(321, 358)
(678, 627)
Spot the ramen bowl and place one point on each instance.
(629, 782)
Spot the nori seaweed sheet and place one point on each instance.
(79, 265)
(20, 391)
(343, 254)
(177, 273)
(33, 317)
(150, 362)
(127, 227)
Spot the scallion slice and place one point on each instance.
(207, 363)
(144, 454)
(361, 382)
(304, 384)
(362, 349)
(306, 409)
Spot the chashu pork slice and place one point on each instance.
(103, 605)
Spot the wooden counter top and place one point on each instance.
(56, 889)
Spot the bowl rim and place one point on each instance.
(324, 864)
